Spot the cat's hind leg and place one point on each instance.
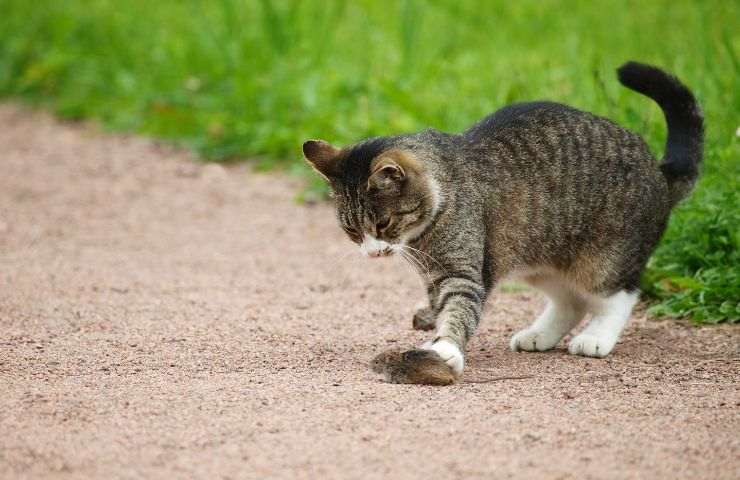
(610, 315)
(565, 308)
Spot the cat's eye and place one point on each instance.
(380, 226)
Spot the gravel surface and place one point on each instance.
(165, 319)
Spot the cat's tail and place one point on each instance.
(684, 147)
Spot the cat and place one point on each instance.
(569, 202)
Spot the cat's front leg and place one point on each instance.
(441, 361)
(459, 304)
(425, 317)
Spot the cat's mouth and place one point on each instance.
(377, 253)
(386, 252)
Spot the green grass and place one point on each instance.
(252, 79)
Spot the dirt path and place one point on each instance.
(160, 319)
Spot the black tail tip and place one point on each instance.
(633, 74)
(661, 86)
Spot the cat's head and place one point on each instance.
(385, 197)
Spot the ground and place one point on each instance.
(161, 318)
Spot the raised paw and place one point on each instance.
(424, 319)
(532, 340)
(590, 345)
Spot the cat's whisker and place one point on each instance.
(423, 265)
(405, 257)
(418, 266)
(426, 255)
(403, 249)
(409, 264)
(412, 263)
(421, 259)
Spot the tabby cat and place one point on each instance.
(567, 201)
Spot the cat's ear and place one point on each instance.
(386, 174)
(323, 157)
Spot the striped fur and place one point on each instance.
(568, 201)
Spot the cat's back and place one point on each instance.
(530, 119)
(549, 136)
(515, 116)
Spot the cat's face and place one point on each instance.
(384, 199)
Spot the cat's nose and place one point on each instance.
(372, 247)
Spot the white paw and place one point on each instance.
(531, 340)
(590, 345)
(450, 353)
